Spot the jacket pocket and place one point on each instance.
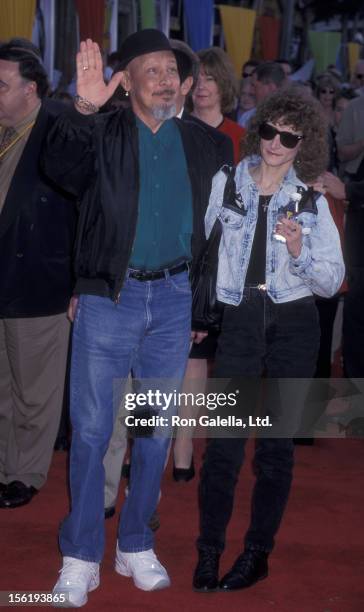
(231, 219)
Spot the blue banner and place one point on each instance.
(199, 22)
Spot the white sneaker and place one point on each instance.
(148, 574)
(76, 579)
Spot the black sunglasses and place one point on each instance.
(288, 140)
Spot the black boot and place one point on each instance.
(185, 474)
(206, 576)
(250, 566)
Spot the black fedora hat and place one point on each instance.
(140, 43)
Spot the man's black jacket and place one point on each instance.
(37, 231)
(223, 143)
(96, 158)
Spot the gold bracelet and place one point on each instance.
(86, 105)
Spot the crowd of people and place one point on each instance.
(107, 201)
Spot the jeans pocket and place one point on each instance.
(180, 283)
(231, 219)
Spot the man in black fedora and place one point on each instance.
(144, 182)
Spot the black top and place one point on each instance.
(256, 269)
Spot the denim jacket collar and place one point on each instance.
(244, 179)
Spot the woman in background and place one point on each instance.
(214, 95)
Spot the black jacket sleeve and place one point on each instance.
(68, 156)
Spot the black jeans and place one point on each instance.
(353, 324)
(258, 336)
(327, 309)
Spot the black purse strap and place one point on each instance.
(229, 197)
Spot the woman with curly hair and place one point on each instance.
(279, 246)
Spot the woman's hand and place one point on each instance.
(198, 336)
(292, 232)
(90, 77)
(330, 183)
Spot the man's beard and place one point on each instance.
(162, 112)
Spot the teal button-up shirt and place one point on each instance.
(164, 228)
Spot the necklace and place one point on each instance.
(9, 145)
(265, 202)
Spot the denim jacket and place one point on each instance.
(319, 269)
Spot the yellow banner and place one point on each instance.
(16, 18)
(353, 56)
(238, 25)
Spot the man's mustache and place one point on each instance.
(165, 92)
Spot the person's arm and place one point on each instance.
(92, 91)
(334, 186)
(320, 263)
(352, 192)
(68, 157)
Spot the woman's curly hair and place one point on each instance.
(292, 107)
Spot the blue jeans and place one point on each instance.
(148, 332)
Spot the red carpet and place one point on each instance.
(317, 565)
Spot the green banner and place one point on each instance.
(148, 14)
(324, 47)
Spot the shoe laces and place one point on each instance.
(75, 572)
(149, 558)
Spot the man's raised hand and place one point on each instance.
(90, 77)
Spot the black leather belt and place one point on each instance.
(146, 275)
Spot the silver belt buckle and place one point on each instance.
(262, 287)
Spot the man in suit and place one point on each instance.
(37, 224)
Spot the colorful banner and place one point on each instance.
(91, 15)
(199, 22)
(324, 47)
(353, 56)
(16, 18)
(148, 14)
(269, 29)
(238, 24)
